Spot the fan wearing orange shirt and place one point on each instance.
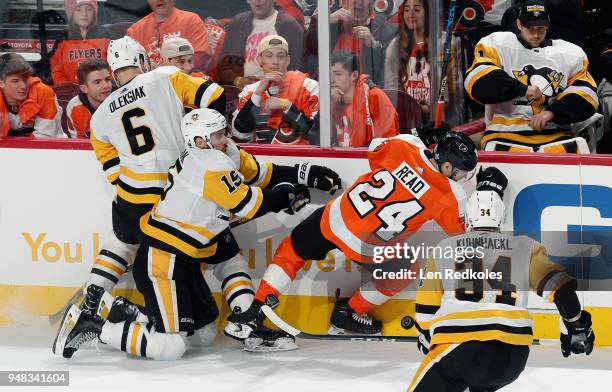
(408, 185)
(168, 21)
(360, 110)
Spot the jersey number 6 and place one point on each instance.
(393, 216)
(140, 138)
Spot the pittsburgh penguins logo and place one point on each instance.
(547, 79)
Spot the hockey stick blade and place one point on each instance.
(280, 323)
(55, 317)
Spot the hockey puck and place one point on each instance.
(407, 322)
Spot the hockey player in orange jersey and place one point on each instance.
(407, 186)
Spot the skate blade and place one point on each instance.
(333, 330)
(68, 322)
(256, 345)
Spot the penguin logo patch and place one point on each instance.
(547, 79)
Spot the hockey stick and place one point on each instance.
(55, 317)
(445, 60)
(280, 323)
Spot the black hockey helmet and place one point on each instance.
(458, 149)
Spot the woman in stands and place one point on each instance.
(406, 66)
(84, 39)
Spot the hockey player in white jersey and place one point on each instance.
(476, 331)
(136, 137)
(212, 181)
(533, 88)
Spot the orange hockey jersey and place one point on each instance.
(402, 191)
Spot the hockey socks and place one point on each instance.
(111, 263)
(281, 272)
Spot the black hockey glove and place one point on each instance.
(430, 134)
(298, 195)
(319, 177)
(577, 337)
(491, 179)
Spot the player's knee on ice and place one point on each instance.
(166, 346)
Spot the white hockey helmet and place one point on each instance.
(127, 52)
(484, 209)
(202, 123)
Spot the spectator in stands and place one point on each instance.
(27, 105)
(357, 28)
(406, 66)
(95, 83)
(282, 106)
(533, 88)
(360, 110)
(179, 52)
(167, 21)
(239, 65)
(83, 39)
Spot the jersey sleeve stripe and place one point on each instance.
(586, 93)
(206, 93)
(249, 209)
(427, 309)
(247, 198)
(110, 163)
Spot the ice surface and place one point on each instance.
(316, 366)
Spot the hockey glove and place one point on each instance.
(577, 337)
(430, 134)
(298, 195)
(319, 177)
(491, 179)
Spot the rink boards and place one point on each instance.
(55, 214)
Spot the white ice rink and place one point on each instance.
(316, 366)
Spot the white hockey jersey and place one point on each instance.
(136, 131)
(205, 188)
(484, 296)
(559, 68)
